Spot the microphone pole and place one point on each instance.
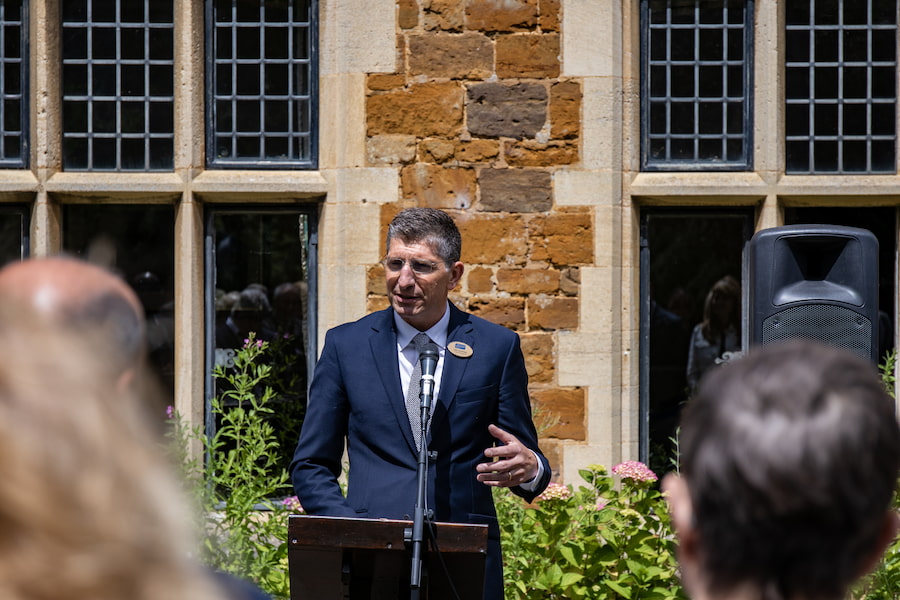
(428, 358)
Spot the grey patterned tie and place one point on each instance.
(413, 404)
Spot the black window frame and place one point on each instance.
(670, 165)
(817, 137)
(24, 159)
(305, 163)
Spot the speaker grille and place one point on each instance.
(826, 323)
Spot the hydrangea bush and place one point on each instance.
(609, 539)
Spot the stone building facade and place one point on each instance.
(522, 118)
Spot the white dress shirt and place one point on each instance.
(407, 357)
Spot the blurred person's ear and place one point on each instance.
(125, 381)
(678, 497)
(675, 489)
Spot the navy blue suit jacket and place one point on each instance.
(356, 396)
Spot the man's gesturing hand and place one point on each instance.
(513, 464)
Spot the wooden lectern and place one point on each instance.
(333, 558)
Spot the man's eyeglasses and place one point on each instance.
(419, 267)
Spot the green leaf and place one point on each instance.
(622, 591)
(569, 579)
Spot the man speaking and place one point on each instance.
(480, 433)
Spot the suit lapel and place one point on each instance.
(460, 329)
(383, 343)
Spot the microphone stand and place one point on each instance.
(425, 396)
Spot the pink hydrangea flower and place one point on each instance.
(292, 503)
(555, 491)
(632, 469)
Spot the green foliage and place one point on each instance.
(288, 381)
(600, 541)
(884, 582)
(244, 531)
(888, 368)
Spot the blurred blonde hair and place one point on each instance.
(89, 506)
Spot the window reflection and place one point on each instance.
(13, 234)
(137, 242)
(692, 269)
(260, 285)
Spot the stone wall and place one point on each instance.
(477, 119)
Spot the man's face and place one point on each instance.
(419, 298)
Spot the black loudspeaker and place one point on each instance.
(818, 282)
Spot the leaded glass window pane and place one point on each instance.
(841, 86)
(695, 101)
(137, 242)
(118, 85)
(13, 78)
(261, 283)
(261, 81)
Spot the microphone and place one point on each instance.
(428, 358)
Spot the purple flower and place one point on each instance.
(632, 469)
(170, 412)
(292, 503)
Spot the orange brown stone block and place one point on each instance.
(567, 408)
(528, 281)
(491, 239)
(550, 312)
(423, 110)
(528, 55)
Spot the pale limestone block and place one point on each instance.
(599, 295)
(579, 456)
(592, 38)
(631, 233)
(231, 185)
(352, 233)
(608, 237)
(189, 302)
(604, 414)
(374, 185)
(139, 185)
(631, 413)
(189, 98)
(45, 226)
(586, 188)
(771, 214)
(583, 361)
(768, 108)
(45, 83)
(342, 123)
(601, 111)
(392, 149)
(342, 296)
(16, 185)
(357, 38)
(689, 188)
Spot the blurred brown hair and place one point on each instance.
(89, 506)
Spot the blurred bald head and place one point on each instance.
(77, 295)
